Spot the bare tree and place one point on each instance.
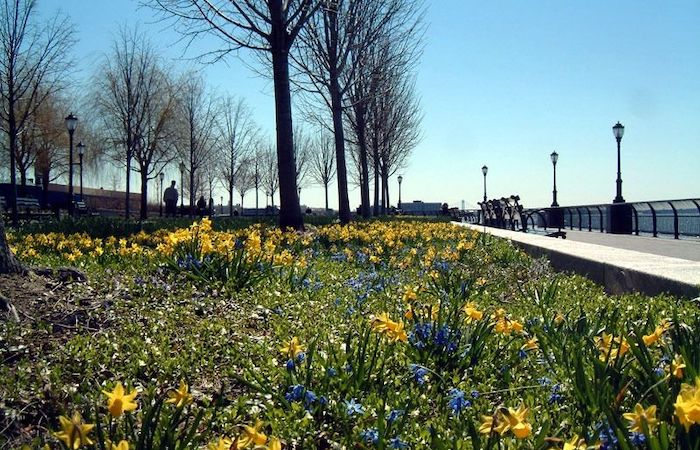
(266, 26)
(322, 167)
(244, 179)
(32, 61)
(268, 172)
(330, 54)
(302, 157)
(396, 119)
(238, 134)
(199, 138)
(136, 104)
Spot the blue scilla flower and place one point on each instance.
(659, 371)
(294, 393)
(309, 398)
(290, 365)
(637, 439)
(420, 373)
(522, 354)
(544, 381)
(370, 435)
(393, 415)
(352, 407)
(361, 257)
(396, 442)
(458, 401)
(323, 400)
(441, 266)
(338, 257)
(474, 394)
(608, 440)
(331, 372)
(301, 357)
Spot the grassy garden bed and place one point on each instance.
(380, 335)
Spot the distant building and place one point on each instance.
(420, 208)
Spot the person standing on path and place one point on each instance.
(170, 197)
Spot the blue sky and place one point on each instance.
(504, 83)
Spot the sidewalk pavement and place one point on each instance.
(620, 263)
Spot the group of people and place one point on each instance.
(171, 196)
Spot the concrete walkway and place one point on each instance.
(674, 248)
(619, 263)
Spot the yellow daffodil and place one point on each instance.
(252, 436)
(394, 330)
(275, 444)
(677, 366)
(74, 433)
(122, 445)
(558, 318)
(181, 396)
(688, 404)
(639, 416)
(651, 339)
(409, 295)
(575, 444)
(472, 312)
(611, 347)
(119, 402)
(517, 421)
(223, 443)
(531, 344)
(292, 348)
(507, 419)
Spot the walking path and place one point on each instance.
(621, 263)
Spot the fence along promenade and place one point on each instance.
(677, 218)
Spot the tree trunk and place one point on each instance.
(144, 194)
(364, 178)
(127, 207)
(8, 262)
(290, 211)
(375, 145)
(230, 202)
(325, 186)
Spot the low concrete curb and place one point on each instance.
(618, 270)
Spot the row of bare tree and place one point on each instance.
(351, 59)
(354, 59)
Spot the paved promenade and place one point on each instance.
(619, 263)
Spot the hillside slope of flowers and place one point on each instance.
(387, 335)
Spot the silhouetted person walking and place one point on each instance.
(170, 197)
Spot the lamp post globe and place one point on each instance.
(554, 157)
(618, 132)
(71, 124)
(484, 170)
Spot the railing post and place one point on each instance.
(653, 220)
(578, 211)
(590, 227)
(571, 219)
(636, 220)
(675, 220)
(600, 214)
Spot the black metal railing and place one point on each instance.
(677, 218)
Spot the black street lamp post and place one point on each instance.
(71, 123)
(400, 179)
(484, 170)
(161, 176)
(555, 157)
(81, 151)
(618, 131)
(182, 186)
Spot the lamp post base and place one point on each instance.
(555, 217)
(620, 218)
